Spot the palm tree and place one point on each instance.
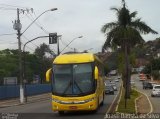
(124, 34)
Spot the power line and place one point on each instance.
(8, 9)
(34, 44)
(5, 40)
(7, 5)
(28, 40)
(29, 48)
(7, 34)
(40, 26)
(66, 45)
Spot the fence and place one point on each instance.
(12, 91)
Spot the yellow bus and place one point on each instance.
(77, 82)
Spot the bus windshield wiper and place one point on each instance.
(67, 87)
(78, 86)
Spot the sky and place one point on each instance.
(73, 18)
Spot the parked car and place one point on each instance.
(155, 90)
(147, 84)
(109, 89)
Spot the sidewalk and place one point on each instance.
(30, 99)
(142, 104)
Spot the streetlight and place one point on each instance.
(70, 43)
(17, 26)
(24, 62)
(53, 9)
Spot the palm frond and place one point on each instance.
(133, 14)
(108, 26)
(115, 9)
(142, 27)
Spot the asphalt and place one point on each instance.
(155, 101)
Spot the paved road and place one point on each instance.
(154, 100)
(42, 109)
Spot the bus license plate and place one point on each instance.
(73, 107)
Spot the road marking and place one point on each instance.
(151, 110)
(136, 107)
(113, 100)
(120, 96)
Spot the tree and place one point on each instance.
(125, 33)
(44, 62)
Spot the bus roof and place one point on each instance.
(74, 58)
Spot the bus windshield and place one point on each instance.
(73, 79)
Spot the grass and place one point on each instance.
(130, 108)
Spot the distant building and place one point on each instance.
(10, 80)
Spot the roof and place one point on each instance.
(74, 58)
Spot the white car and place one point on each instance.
(132, 83)
(114, 86)
(155, 90)
(116, 80)
(153, 83)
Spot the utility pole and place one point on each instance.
(59, 38)
(17, 26)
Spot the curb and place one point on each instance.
(151, 107)
(135, 101)
(119, 96)
(110, 107)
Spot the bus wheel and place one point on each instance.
(61, 112)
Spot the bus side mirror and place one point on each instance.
(48, 74)
(96, 73)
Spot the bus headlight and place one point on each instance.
(89, 100)
(61, 102)
(73, 102)
(55, 100)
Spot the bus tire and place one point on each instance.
(61, 112)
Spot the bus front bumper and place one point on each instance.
(91, 105)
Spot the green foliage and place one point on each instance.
(130, 103)
(9, 64)
(112, 62)
(156, 74)
(35, 64)
(154, 65)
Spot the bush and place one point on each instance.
(156, 74)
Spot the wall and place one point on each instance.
(12, 91)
